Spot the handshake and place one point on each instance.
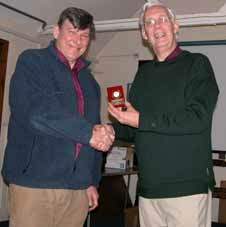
(103, 137)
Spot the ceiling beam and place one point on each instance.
(188, 20)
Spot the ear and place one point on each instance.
(144, 34)
(56, 31)
(176, 27)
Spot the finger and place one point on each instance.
(112, 138)
(114, 109)
(103, 147)
(109, 136)
(127, 103)
(95, 204)
(110, 105)
(111, 108)
(91, 204)
(111, 129)
(95, 200)
(114, 114)
(108, 139)
(92, 207)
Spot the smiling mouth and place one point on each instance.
(159, 35)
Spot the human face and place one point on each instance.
(160, 31)
(71, 41)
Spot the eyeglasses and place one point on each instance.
(152, 22)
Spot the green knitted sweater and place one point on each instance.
(176, 100)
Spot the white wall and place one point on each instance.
(128, 44)
(117, 64)
(16, 46)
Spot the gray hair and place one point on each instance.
(151, 3)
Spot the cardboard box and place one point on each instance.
(116, 164)
(120, 157)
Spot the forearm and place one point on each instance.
(193, 117)
(71, 127)
(97, 168)
(124, 132)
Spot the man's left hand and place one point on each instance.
(93, 196)
(129, 117)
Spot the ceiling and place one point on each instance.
(49, 10)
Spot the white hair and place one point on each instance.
(151, 3)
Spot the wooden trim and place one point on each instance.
(218, 162)
(203, 43)
(4, 46)
(219, 192)
(221, 154)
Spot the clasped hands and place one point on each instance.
(103, 136)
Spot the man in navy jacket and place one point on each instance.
(51, 160)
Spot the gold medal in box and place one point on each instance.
(116, 96)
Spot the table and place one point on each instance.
(114, 195)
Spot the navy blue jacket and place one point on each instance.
(45, 125)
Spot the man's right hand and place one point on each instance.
(103, 137)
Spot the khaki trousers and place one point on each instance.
(186, 211)
(31, 207)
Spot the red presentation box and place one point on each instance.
(116, 96)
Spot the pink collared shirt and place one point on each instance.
(174, 54)
(80, 101)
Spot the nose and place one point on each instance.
(157, 23)
(78, 39)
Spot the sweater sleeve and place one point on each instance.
(38, 108)
(124, 132)
(200, 95)
(97, 168)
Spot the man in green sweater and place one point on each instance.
(169, 118)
